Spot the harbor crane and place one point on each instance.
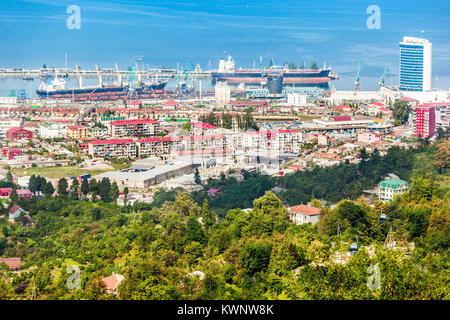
(383, 76)
(357, 83)
(182, 86)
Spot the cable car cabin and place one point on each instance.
(383, 218)
(353, 248)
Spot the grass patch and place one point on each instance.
(56, 172)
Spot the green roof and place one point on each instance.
(393, 183)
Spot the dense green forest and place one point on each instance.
(257, 254)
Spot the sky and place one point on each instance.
(164, 33)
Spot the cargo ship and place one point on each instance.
(56, 89)
(290, 77)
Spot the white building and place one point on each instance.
(368, 137)
(222, 93)
(415, 64)
(278, 140)
(303, 214)
(296, 99)
(6, 124)
(52, 130)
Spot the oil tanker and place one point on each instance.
(56, 89)
(291, 77)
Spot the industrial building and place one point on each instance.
(144, 175)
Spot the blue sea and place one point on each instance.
(166, 33)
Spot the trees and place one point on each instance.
(32, 184)
(314, 65)
(85, 187)
(74, 188)
(125, 195)
(401, 111)
(197, 178)
(421, 188)
(48, 189)
(115, 191)
(105, 190)
(442, 156)
(62, 187)
(9, 176)
(208, 218)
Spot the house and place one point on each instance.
(323, 139)
(112, 282)
(15, 212)
(5, 192)
(12, 263)
(302, 214)
(390, 188)
(213, 192)
(24, 193)
(368, 137)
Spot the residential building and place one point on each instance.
(112, 283)
(12, 263)
(77, 132)
(303, 214)
(296, 99)
(8, 123)
(415, 64)
(49, 130)
(97, 132)
(277, 140)
(18, 133)
(10, 153)
(154, 146)
(368, 137)
(424, 121)
(390, 188)
(15, 212)
(115, 148)
(135, 127)
(325, 159)
(222, 93)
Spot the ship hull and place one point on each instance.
(102, 93)
(303, 78)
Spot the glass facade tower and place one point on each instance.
(415, 64)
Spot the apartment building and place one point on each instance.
(115, 148)
(135, 128)
(154, 146)
(424, 120)
(77, 132)
(278, 140)
(368, 137)
(18, 133)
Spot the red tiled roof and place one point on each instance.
(23, 191)
(203, 125)
(170, 103)
(13, 263)
(214, 191)
(112, 282)
(14, 208)
(305, 210)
